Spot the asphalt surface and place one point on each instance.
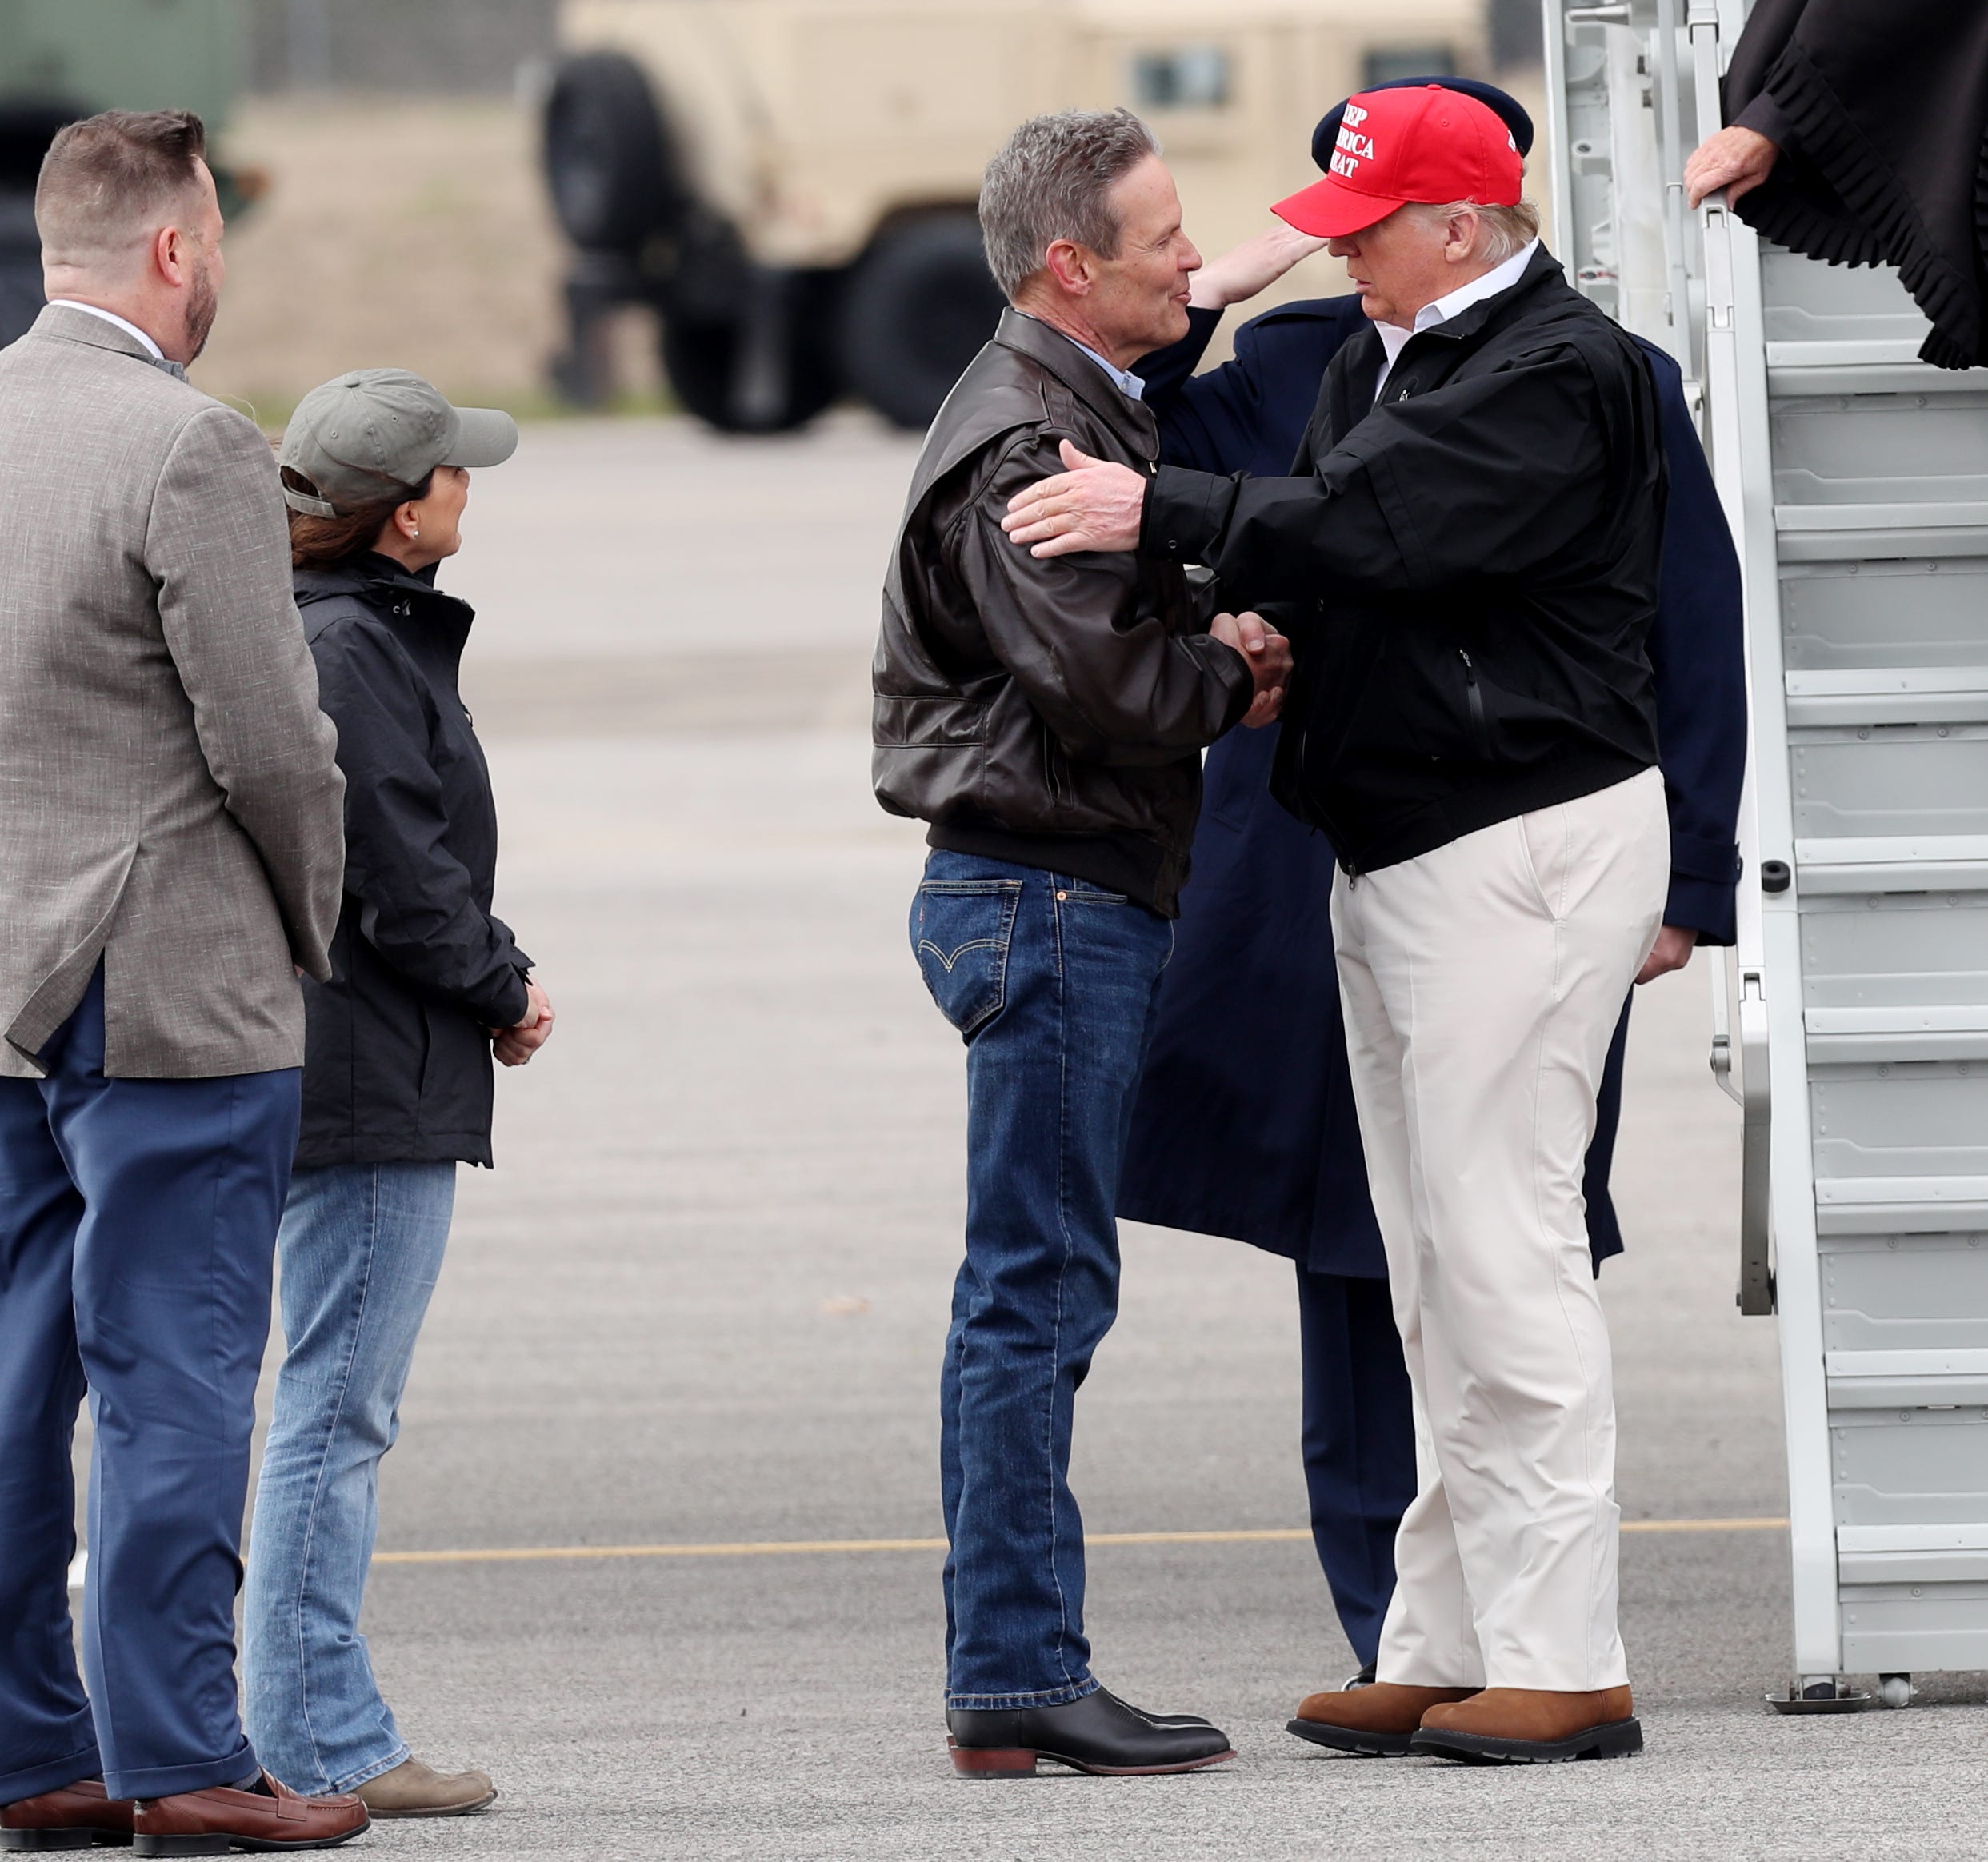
(701, 1300)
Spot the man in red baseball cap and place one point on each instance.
(1399, 147)
(1466, 566)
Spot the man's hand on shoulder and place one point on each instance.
(1268, 655)
(1093, 505)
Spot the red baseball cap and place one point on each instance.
(1433, 145)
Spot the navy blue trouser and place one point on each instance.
(1359, 1444)
(137, 1227)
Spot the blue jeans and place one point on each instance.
(362, 1247)
(137, 1221)
(1052, 982)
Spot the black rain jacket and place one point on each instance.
(398, 1065)
(1467, 570)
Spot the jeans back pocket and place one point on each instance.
(961, 930)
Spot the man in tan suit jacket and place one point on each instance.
(171, 856)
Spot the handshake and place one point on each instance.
(1268, 655)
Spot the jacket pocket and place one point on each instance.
(1055, 776)
(1473, 704)
(961, 932)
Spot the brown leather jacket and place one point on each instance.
(1067, 699)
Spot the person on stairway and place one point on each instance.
(1857, 132)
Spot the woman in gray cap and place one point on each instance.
(398, 1078)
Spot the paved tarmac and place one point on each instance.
(699, 1303)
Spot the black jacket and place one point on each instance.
(1246, 1124)
(1047, 713)
(1468, 571)
(398, 1065)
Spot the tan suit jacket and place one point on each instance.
(168, 802)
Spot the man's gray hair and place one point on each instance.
(1503, 232)
(1053, 180)
(109, 179)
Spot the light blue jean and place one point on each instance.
(360, 1247)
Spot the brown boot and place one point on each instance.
(1379, 1719)
(72, 1816)
(1532, 1726)
(413, 1789)
(210, 1823)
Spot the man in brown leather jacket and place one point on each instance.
(1047, 718)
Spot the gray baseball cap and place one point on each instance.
(359, 438)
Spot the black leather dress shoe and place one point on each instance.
(1099, 1734)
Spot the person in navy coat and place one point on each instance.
(1244, 1126)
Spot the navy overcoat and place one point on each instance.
(1246, 1126)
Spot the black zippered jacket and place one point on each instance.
(396, 1063)
(1048, 712)
(1467, 571)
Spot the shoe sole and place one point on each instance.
(380, 1816)
(1620, 1739)
(1352, 1738)
(1020, 1761)
(26, 1841)
(214, 1843)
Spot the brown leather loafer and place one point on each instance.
(1523, 1726)
(1378, 1721)
(413, 1789)
(72, 1816)
(210, 1823)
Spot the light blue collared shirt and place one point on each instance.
(1128, 384)
(1131, 384)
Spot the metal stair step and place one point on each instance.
(1838, 1036)
(1900, 1206)
(1907, 863)
(1841, 533)
(1889, 695)
(1880, 365)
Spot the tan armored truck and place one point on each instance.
(790, 183)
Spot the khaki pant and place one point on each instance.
(1482, 982)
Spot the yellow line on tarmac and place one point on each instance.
(801, 1548)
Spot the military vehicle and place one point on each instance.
(791, 183)
(62, 59)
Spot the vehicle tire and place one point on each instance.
(919, 305)
(711, 368)
(614, 175)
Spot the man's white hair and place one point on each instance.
(1502, 232)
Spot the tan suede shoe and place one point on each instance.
(1531, 1726)
(1378, 1721)
(413, 1789)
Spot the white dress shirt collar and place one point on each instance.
(1500, 278)
(111, 317)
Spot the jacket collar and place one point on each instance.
(395, 593)
(66, 324)
(1544, 271)
(1132, 421)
